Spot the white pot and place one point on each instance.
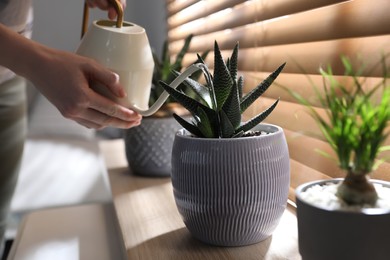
(325, 234)
(231, 192)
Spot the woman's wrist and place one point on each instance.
(23, 56)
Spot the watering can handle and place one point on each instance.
(118, 8)
(164, 96)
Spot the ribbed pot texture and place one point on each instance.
(149, 146)
(231, 192)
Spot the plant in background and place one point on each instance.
(355, 127)
(220, 103)
(164, 69)
(148, 146)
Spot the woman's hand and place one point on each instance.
(106, 5)
(66, 79)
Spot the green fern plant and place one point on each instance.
(219, 105)
(355, 126)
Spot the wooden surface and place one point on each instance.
(152, 227)
(78, 232)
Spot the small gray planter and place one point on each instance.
(149, 146)
(231, 192)
(339, 235)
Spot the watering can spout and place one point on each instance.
(164, 96)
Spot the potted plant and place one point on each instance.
(148, 146)
(348, 218)
(230, 178)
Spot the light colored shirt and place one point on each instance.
(18, 16)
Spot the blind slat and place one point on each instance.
(307, 35)
(294, 116)
(198, 10)
(246, 13)
(308, 57)
(346, 20)
(308, 86)
(176, 6)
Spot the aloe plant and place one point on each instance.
(164, 68)
(355, 127)
(217, 110)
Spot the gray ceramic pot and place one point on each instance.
(149, 146)
(231, 192)
(340, 235)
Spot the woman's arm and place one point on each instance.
(65, 78)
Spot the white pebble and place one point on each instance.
(323, 196)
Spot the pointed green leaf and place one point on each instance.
(201, 91)
(179, 57)
(240, 86)
(204, 124)
(166, 62)
(232, 107)
(193, 129)
(197, 74)
(233, 64)
(222, 81)
(257, 120)
(227, 129)
(260, 89)
(187, 102)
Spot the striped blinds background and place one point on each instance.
(306, 34)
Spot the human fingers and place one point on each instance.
(110, 108)
(95, 119)
(104, 4)
(87, 123)
(107, 78)
(112, 13)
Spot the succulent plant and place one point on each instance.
(217, 110)
(164, 68)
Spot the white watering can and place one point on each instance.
(123, 47)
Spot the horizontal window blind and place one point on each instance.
(307, 35)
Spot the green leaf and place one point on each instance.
(325, 154)
(188, 126)
(201, 91)
(355, 123)
(166, 63)
(260, 89)
(204, 124)
(187, 102)
(257, 120)
(240, 86)
(227, 129)
(196, 75)
(222, 82)
(232, 107)
(177, 65)
(233, 64)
